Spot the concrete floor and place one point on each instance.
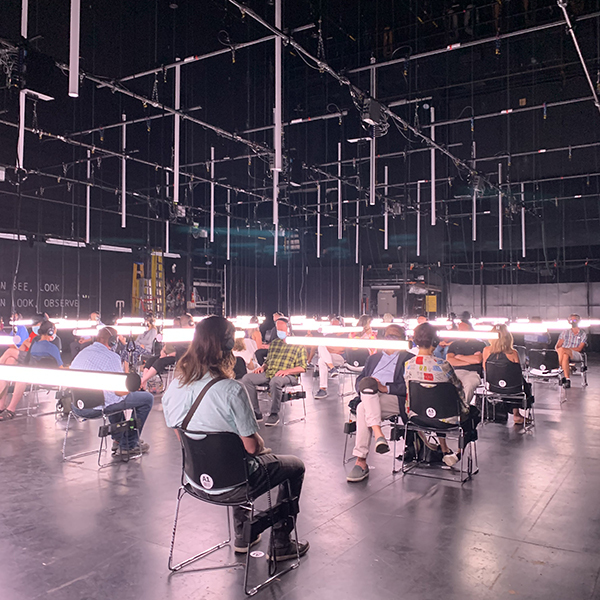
(527, 526)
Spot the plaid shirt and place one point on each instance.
(570, 340)
(283, 356)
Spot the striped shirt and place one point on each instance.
(572, 340)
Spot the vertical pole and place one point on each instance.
(225, 313)
(124, 174)
(278, 127)
(474, 217)
(339, 190)
(357, 227)
(24, 17)
(228, 224)
(176, 136)
(88, 191)
(418, 218)
(372, 165)
(212, 193)
(21, 140)
(433, 217)
(167, 237)
(523, 252)
(386, 231)
(74, 49)
(318, 220)
(500, 211)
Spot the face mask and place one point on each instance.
(281, 334)
(35, 329)
(573, 323)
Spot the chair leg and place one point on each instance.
(174, 568)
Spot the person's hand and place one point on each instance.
(281, 373)
(382, 388)
(259, 369)
(81, 341)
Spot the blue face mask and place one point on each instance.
(281, 334)
(35, 329)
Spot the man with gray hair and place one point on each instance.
(570, 345)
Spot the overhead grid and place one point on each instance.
(408, 178)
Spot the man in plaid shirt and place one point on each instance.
(569, 347)
(281, 367)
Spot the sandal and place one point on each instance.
(7, 415)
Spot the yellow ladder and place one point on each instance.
(158, 284)
(137, 287)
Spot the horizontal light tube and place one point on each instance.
(120, 329)
(468, 335)
(60, 242)
(171, 255)
(109, 248)
(239, 335)
(130, 321)
(348, 343)
(13, 236)
(24, 322)
(89, 380)
(8, 340)
(73, 324)
(527, 328)
(178, 335)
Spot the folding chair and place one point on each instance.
(46, 362)
(544, 367)
(289, 394)
(214, 461)
(91, 399)
(351, 369)
(504, 382)
(580, 366)
(432, 402)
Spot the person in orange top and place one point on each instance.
(367, 333)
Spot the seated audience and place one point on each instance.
(427, 368)
(20, 331)
(502, 350)
(367, 332)
(570, 345)
(382, 393)
(226, 408)
(169, 354)
(466, 358)
(101, 357)
(42, 353)
(282, 366)
(84, 341)
(142, 346)
(329, 359)
(245, 349)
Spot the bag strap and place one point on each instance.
(201, 395)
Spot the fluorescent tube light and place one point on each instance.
(8, 340)
(130, 321)
(527, 328)
(89, 380)
(348, 343)
(73, 324)
(109, 248)
(176, 335)
(468, 335)
(13, 236)
(61, 242)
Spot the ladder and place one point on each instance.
(137, 288)
(158, 284)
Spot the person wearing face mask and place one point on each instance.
(570, 345)
(43, 352)
(282, 366)
(100, 356)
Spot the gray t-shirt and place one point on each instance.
(225, 407)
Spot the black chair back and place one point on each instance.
(433, 401)
(357, 357)
(215, 461)
(543, 360)
(503, 376)
(87, 398)
(44, 362)
(239, 368)
(522, 352)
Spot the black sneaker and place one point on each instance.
(333, 372)
(259, 416)
(272, 420)
(567, 383)
(290, 552)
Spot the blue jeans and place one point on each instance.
(140, 401)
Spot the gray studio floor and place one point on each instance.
(527, 526)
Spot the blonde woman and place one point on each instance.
(503, 346)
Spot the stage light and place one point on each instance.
(8, 340)
(109, 248)
(13, 236)
(61, 242)
(178, 335)
(527, 328)
(239, 335)
(89, 380)
(24, 322)
(130, 321)
(73, 324)
(348, 343)
(468, 335)
(85, 332)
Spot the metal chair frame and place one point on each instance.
(451, 432)
(247, 504)
(580, 366)
(103, 439)
(289, 394)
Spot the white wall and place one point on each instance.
(546, 300)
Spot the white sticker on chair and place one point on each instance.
(431, 412)
(80, 404)
(206, 481)
(257, 554)
(502, 383)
